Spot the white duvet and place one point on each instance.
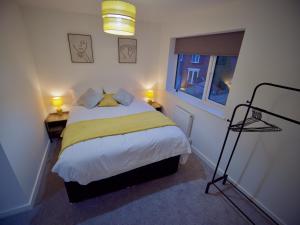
(101, 158)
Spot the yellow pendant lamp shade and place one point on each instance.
(118, 17)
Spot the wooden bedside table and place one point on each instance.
(156, 106)
(55, 124)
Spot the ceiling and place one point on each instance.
(147, 10)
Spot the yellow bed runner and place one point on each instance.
(90, 129)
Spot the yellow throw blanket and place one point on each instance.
(90, 129)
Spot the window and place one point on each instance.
(195, 58)
(221, 81)
(180, 57)
(204, 69)
(208, 80)
(193, 74)
(191, 77)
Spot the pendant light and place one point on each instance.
(118, 17)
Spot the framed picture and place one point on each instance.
(81, 48)
(127, 50)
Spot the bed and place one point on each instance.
(105, 164)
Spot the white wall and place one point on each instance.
(11, 193)
(22, 133)
(265, 165)
(48, 35)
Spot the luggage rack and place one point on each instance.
(244, 126)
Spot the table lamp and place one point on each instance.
(57, 102)
(149, 95)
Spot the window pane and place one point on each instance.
(190, 77)
(195, 58)
(222, 77)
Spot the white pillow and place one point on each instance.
(90, 98)
(123, 97)
(79, 90)
(110, 90)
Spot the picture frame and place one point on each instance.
(127, 50)
(81, 48)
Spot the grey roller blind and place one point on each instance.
(225, 44)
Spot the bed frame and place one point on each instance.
(77, 192)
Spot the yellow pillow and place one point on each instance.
(108, 100)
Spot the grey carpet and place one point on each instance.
(178, 199)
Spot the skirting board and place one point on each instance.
(35, 189)
(220, 171)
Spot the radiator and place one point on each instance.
(183, 119)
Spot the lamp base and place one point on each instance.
(59, 111)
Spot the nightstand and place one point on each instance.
(156, 106)
(55, 124)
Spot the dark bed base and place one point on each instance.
(77, 192)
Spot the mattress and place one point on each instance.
(104, 157)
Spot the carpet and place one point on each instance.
(178, 199)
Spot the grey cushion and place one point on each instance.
(90, 98)
(123, 97)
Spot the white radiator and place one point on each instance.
(183, 119)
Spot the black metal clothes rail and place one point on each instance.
(243, 127)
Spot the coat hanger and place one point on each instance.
(255, 118)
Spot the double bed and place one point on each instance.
(103, 164)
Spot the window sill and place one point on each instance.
(197, 103)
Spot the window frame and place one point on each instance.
(210, 76)
(210, 105)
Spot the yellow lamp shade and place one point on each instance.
(57, 102)
(149, 94)
(118, 17)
